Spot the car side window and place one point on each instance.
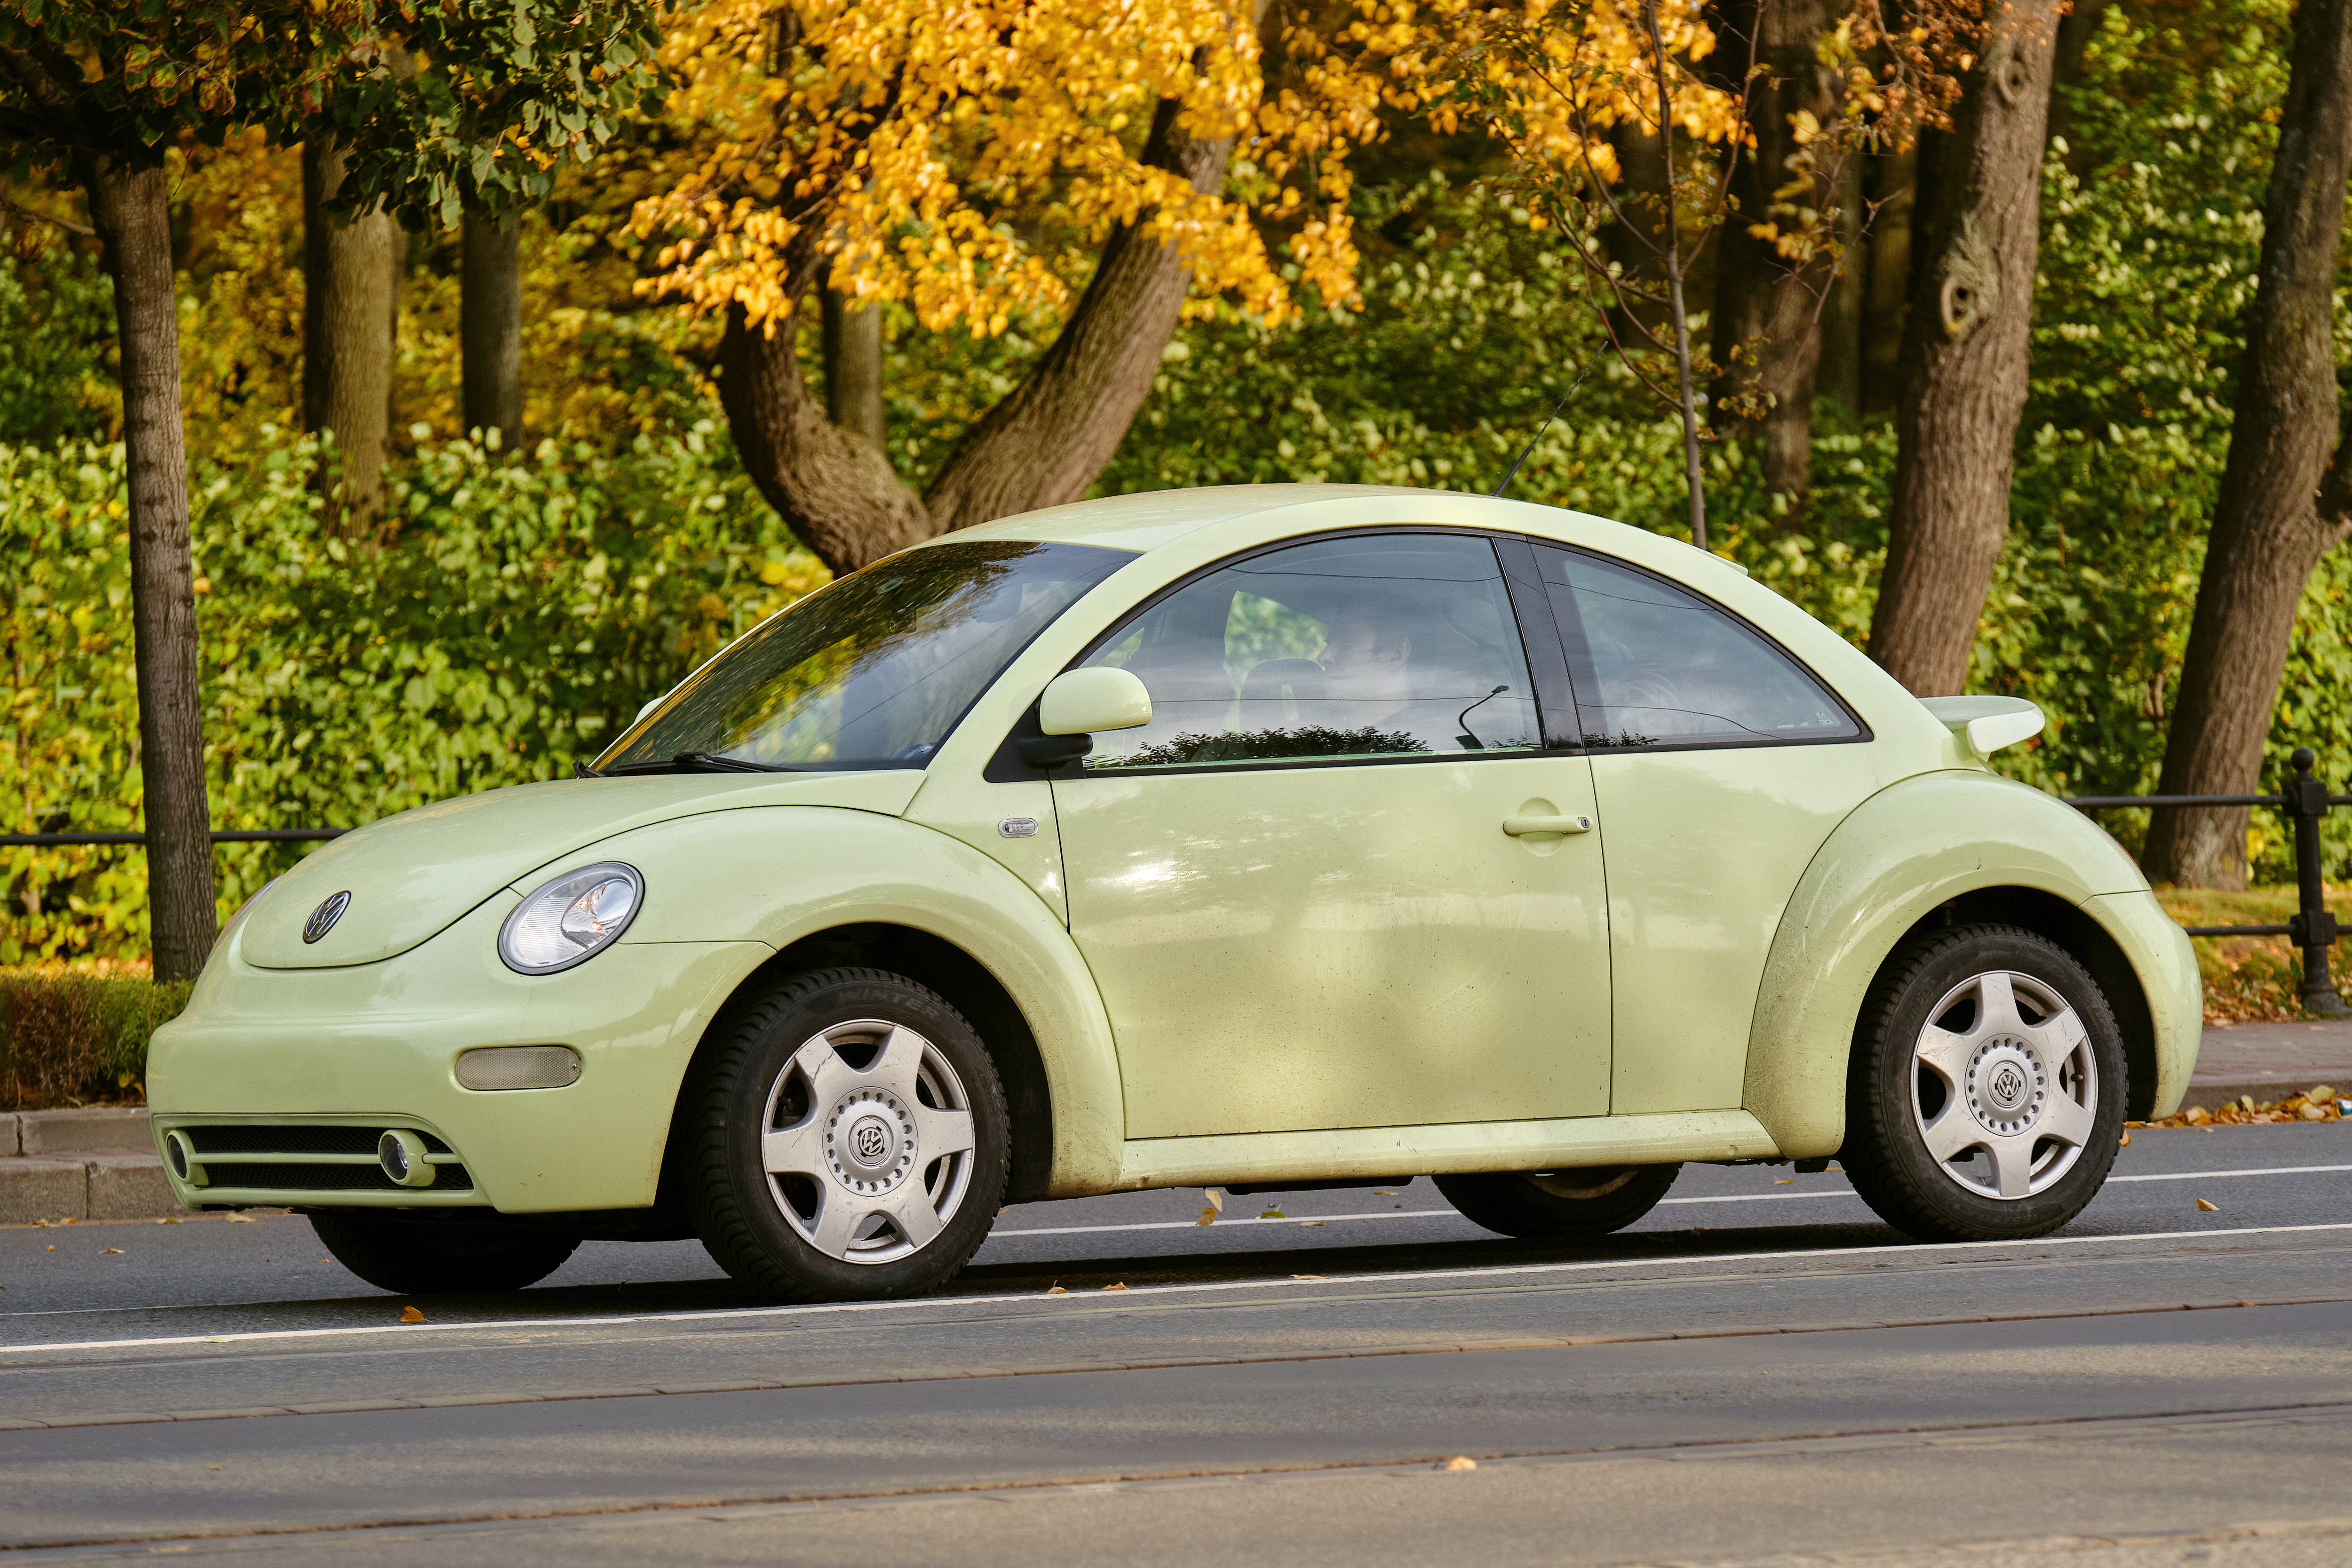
(1655, 665)
(1385, 644)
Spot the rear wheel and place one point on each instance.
(1559, 1205)
(1986, 1096)
(413, 1258)
(850, 1140)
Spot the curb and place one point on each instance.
(110, 1184)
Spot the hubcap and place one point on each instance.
(2004, 1085)
(868, 1142)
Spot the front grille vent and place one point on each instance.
(309, 1157)
(301, 1140)
(368, 1178)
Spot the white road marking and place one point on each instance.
(1731, 1198)
(728, 1314)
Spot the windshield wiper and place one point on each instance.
(708, 763)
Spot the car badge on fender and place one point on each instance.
(323, 918)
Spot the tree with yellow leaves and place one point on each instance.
(1104, 159)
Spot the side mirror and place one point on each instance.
(1076, 703)
(1080, 701)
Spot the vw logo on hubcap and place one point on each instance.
(2006, 1086)
(323, 918)
(869, 1140)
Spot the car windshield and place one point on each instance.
(872, 671)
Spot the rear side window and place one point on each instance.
(1393, 645)
(1656, 666)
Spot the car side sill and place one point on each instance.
(1656, 1138)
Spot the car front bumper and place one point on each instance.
(297, 1072)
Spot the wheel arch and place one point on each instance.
(969, 986)
(1937, 848)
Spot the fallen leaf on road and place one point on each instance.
(2243, 1302)
(239, 1218)
(1458, 1462)
(167, 1222)
(53, 1250)
(1056, 1290)
(2126, 1142)
(1273, 1214)
(1114, 1287)
(1216, 1199)
(2209, 1208)
(411, 1315)
(1309, 1224)
(116, 1250)
(1784, 1180)
(1314, 1277)
(1208, 1217)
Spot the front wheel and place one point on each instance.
(850, 1140)
(440, 1258)
(1986, 1096)
(1559, 1205)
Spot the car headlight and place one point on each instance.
(572, 919)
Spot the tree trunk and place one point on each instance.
(347, 315)
(1637, 242)
(1965, 350)
(489, 326)
(2268, 529)
(128, 202)
(1892, 188)
(2075, 35)
(852, 367)
(1041, 446)
(1840, 377)
(1767, 309)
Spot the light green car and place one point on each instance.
(1276, 836)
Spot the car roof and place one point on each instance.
(1149, 519)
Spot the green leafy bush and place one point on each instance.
(527, 610)
(78, 1038)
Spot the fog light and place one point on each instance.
(180, 1153)
(401, 1154)
(519, 1066)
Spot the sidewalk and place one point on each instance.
(2270, 1061)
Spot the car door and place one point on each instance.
(1319, 890)
(1720, 764)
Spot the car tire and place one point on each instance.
(434, 1257)
(850, 1139)
(1559, 1205)
(1985, 1099)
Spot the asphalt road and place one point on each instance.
(1262, 1388)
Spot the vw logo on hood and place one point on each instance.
(323, 918)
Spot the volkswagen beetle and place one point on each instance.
(1249, 837)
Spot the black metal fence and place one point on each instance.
(2304, 802)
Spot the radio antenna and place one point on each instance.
(1538, 435)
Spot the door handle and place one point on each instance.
(1517, 826)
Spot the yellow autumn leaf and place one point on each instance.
(2209, 1208)
(411, 1315)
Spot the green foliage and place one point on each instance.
(505, 86)
(57, 316)
(527, 611)
(78, 1039)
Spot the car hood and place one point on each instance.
(414, 875)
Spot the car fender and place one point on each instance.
(1910, 847)
(778, 875)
